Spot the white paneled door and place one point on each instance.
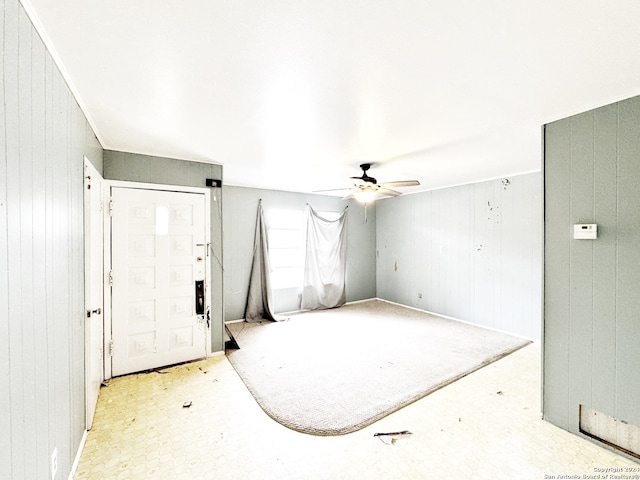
(94, 287)
(158, 255)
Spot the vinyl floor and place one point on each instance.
(484, 426)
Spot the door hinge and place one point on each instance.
(111, 208)
(110, 348)
(110, 278)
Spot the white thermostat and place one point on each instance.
(585, 231)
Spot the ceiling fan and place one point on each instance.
(366, 189)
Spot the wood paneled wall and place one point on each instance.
(43, 138)
(472, 252)
(592, 299)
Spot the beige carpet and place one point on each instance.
(333, 372)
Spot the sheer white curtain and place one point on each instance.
(325, 262)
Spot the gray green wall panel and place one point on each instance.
(134, 167)
(591, 326)
(43, 138)
(556, 275)
(628, 287)
(240, 208)
(471, 252)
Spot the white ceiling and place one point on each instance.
(295, 94)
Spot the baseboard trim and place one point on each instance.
(293, 312)
(239, 320)
(76, 461)
(533, 340)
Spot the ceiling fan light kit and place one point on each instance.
(365, 195)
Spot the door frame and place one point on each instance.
(91, 177)
(108, 186)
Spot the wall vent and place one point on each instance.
(616, 433)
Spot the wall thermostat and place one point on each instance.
(585, 231)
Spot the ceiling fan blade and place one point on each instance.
(364, 180)
(331, 190)
(401, 183)
(388, 192)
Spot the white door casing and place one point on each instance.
(158, 253)
(94, 287)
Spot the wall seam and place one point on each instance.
(571, 220)
(593, 250)
(5, 220)
(615, 324)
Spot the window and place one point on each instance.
(286, 233)
(286, 230)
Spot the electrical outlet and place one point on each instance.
(54, 463)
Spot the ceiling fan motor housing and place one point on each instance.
(365, 177)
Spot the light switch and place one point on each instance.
(585, 231)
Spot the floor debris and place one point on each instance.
(186, 404)
(391, 438)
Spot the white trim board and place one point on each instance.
(76, 460)
(412, 308)
(459, 320)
